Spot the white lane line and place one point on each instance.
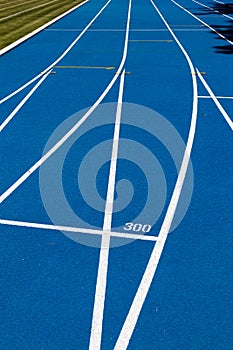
(139, 299)
(26, 11)
(218, 97)
(131, 30)
(101, 284)
(210, 8)
(36, 31)
(24, 100)
(31, 170)
(100, 293)
(59, 58)
(220, 2)
(221, 109)
(205, 24)
(76, 230)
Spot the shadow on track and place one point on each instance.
(224, 29)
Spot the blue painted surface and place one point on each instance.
(48, 281)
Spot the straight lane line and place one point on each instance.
(218, 97)
(101, 284)
(212, 95)
(24, 100)
(131, 30)
(76, 229)
(100, 294)
(140, 297)
(219, 2)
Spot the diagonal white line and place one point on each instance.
(139, 299)
(218, 97)
(24, 100)
(100, 293)
(205, 24)
(59, 58)
(98, 310)
(40, 226)
(220, 2)
(218, 104)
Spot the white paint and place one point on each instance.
(76, 229)
(220, 2)
(22, 103)
(135, 309)
(218, 97)
(205, 24)
(101, 284)
(36, 31)
(122, 30)
(210, 8)
(97, 319)
(212, 95)
(27, 10)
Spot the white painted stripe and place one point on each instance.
(221, 109)
(205, 24)
(97, 319)
(100, 293)
(31, 170)
(218, 97)
(22, 103)
(139, 299)
(210, 8)
(220, 2)
(76, 230)
(36, 31)
(131, 30)
(27, 10)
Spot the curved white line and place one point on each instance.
(205, 24)
(139, 299)
(46, 156)
(58, 59)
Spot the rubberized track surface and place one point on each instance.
(167, 61)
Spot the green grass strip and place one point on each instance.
(25, 16)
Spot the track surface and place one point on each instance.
(169, 290)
